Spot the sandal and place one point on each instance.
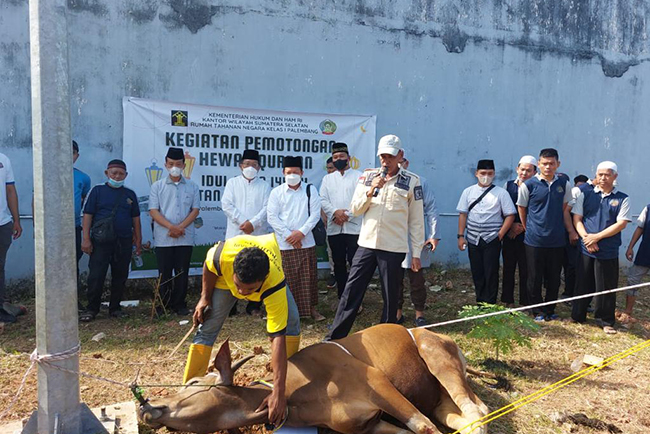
(609, 330)
(87, 316)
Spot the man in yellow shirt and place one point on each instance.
(247, 267)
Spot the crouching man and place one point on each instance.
(247, 267)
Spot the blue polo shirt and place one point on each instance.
(600, 211)
(101, 201)
(545, 210)
(81, 189)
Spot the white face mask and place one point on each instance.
(292, 179)
(249, 172)
(175, 172)
(485, 180)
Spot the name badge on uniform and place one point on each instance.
(417, 192)
(614, 202)
(560, 189)
(403, 181)
(129, 201)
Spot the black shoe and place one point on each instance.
(87, 316)
(182, 311)
(421, 321)
(331, 281)
(6, 317)
(400, 320)
(118, 314)
(590, 309)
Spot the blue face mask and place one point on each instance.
(115, 184)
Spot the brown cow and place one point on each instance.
(369, 382)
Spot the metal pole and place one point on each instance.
(56, 281)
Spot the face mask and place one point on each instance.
(485, 180)
(292, 179)
(115, 184)
(249, 172)
(340, 164)
(175, 172)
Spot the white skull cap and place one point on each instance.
(528, 159)
(608, 165)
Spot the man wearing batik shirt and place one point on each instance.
(487, 212)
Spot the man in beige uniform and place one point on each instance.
(390, 201)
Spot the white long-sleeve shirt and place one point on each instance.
(287, 211)
(336, 192)
(245, 200)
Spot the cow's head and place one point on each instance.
(208, 404)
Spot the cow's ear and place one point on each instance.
(222, 363)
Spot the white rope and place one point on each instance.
(534, 306)
(47, 360)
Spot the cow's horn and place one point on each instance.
(241, 362)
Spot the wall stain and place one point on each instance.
(95, 7)
(141, 11)
(454, 40)
(194, 14)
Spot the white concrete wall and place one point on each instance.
(457, 80)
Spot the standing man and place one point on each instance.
(331, 280)
(600, 214)
(245, 198)
(572, 250)
(293, 211)
(514, 251)
(390, 201)
(641, 264)
(244, 203)
(9, 225)
(487, 212)
(247, 267)
(111, 226)
(336, 193)
(174, 204)
(544, 213)
(416, 279)
(81, 190)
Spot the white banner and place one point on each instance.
(213, 139)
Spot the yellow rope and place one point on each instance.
(552, 388)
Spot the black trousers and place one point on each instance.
(571, 257)
(117, 255)
(595, 275)
(363, 267)
(344, 247)
(484, 263)
(174, 262)
(514, 257)
(544, 262)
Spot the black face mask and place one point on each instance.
(340, 164)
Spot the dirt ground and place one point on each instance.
(619, 395)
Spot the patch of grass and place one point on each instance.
(619, 395)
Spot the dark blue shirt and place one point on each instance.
(598, 213)
(101, 201)
(545, 211)
(643, 255)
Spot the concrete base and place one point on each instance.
(118, 418)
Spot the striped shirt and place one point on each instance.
(486, 218)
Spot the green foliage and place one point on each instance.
(505, 330)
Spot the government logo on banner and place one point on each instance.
(179, 118)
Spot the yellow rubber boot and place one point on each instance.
(293, 345)
(197, 361)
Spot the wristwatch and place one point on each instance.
(459, 236)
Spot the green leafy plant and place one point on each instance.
(505, 330)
